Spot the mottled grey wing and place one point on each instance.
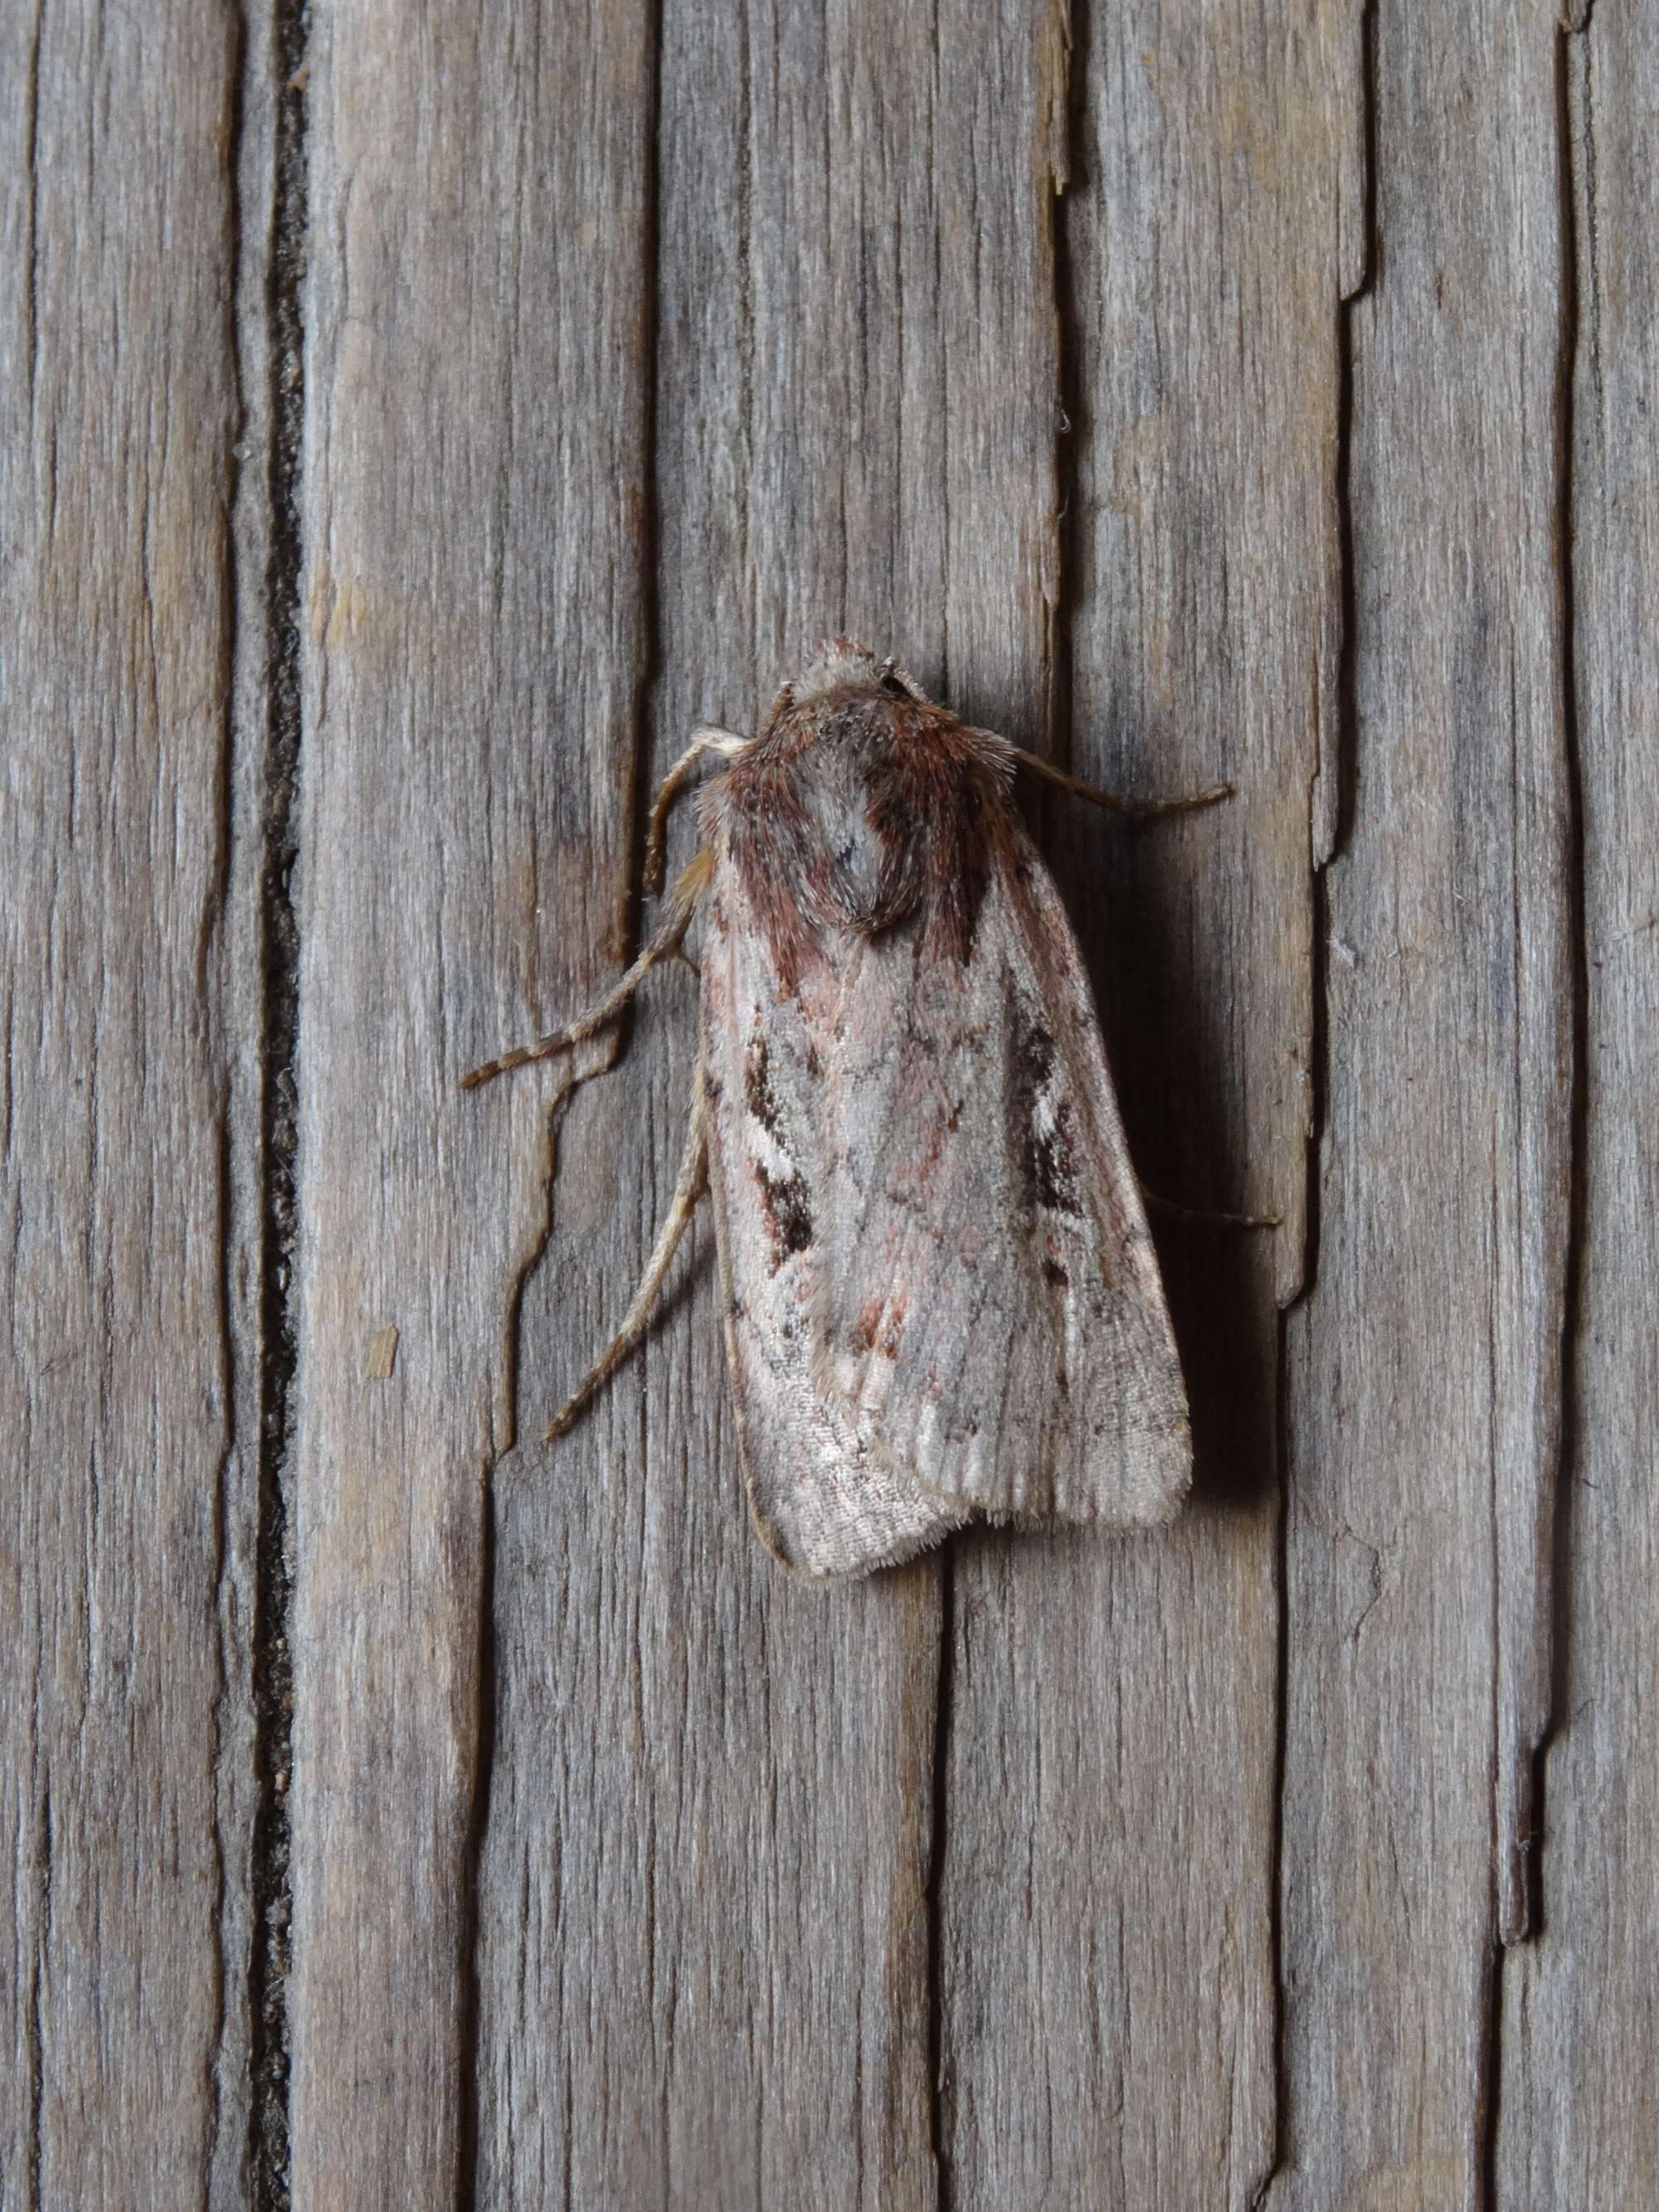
(827, 1497)
(941, 1297)
(987, 1301)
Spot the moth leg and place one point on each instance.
(1142, 810)
(705, 738)
(1200, 1218)
(682, 905)
(688, 1188)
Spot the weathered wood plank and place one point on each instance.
(1577, 2116)
(1423, 1384)
(1107, 1891)
(123, 1795)
(644, 346)
(475, 592)
(837, 449)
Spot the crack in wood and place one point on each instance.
(272, 1663)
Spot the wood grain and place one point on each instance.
(1424, 1381)
(125, 1784)
(761, 1825)
(1575, 2116)
(1305, 438)
(475, 600)
(1107, 1898)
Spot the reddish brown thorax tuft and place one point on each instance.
(861, 805)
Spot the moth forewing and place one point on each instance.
(827, 1497)
(936, 1252)
(1123, 1446)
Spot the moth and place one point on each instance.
(940, 1298)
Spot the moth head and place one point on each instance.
(838, 665)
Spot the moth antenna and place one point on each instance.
(683, 904)
(1144, 810)
(1200, 1218)
(707, 737)
(689, 1186)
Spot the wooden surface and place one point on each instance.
(411, 429)
(127, 1789)
(1575, 2125)
(1424, 1384)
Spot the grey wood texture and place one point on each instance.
(127, 1786)
(1576, 2121)
(1424, 1376)
(474, 599)
(1118, 1699)
(414, 423)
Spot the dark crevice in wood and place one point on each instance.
(1368, 233)
(744, 188)
(1575, 206)
(1343, 764)
(1577, 187)
(1490, 2060)
(1487, 2061)
(228, 2062)
(1070, 402)
(1281, 1732)
(1346, 759)
(31, 149)
(1057, 83)
(1577, 192)
(652, 318)
(651, 491)
(1347, 747)
(468, 2193)
(941, 2114)
(1550, 1614)
(37, 2047)
(279, 947)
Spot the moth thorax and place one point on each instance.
(870, 876)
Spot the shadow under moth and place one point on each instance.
(940, 1298)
